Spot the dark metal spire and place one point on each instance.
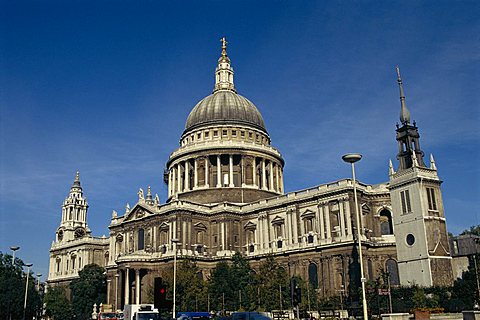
(404, 113)
(76, 182)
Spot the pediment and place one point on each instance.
(200, 226)
(307, 214)
(164, 226)
(278, 220)
(250, 226)
(137, 212)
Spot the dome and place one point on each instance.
(225, 107)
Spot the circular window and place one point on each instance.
(410, 239)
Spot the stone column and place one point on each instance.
(206, 171)
(327, 220)
(154, 238)
(195, 174)
(294, 226)
(289, 227)
(242, 171)
(230, 171)
(254, 166)
(280, 173)
(276, 177)
(169, 183)
(186, 184)
(184, 233)
(222, 234)
(116, 306)
(127, 286)
(259, 233)
(271, 176)
(137, 286)
(266, 232)
(179, 178)
(264, 178)
(349, 216)
(322, 222)
(342, 218)
(219, 172)
(302, 227)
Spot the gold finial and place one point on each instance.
(399, 78)
(224, 46)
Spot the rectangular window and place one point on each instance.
(405, 198)
(224, 133)
(432, 203)
(206, 134)
(199, 136)
(215, 133)
(234, 133)
(242, 134)
(250, 135)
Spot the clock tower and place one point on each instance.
(419, 219)
(74, 214)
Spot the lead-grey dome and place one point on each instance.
(225, 107)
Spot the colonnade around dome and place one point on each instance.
(230, 170)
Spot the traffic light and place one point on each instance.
(295, 292)
(160, 294)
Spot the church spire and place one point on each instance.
(224, 72)
(404, 113)
(76, 182)
(409, 152)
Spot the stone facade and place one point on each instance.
(226, 195)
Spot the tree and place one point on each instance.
(89, 288)
(474, 230)
(57, 305)
(273, 280)
(190, 287)
(221, 288)
(244, 283)
(12, 290)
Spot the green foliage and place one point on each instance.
(89, 288)
(221, 288)
(245, 285)
(273, 279)
(464, 291)
(475, 230)
(57, 305)
(12, 290)
(190, 287)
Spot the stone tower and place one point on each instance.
(74, 214)
(419, 219)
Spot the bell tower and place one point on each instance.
(419, 220)
(74, 214)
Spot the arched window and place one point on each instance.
(200, 236)
(313, 275)
(386, 225)
(141, 239)
(370, 269)
(392, 269)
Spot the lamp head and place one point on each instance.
(352, 157)
(14, 248)
(28, 265)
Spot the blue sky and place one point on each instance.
(105, 87)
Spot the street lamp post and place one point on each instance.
(174, 241)
(14, 248)
(352, 158)
(28, 265)
(38, 281)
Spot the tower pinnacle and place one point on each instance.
(224, 72)
(404, 113)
